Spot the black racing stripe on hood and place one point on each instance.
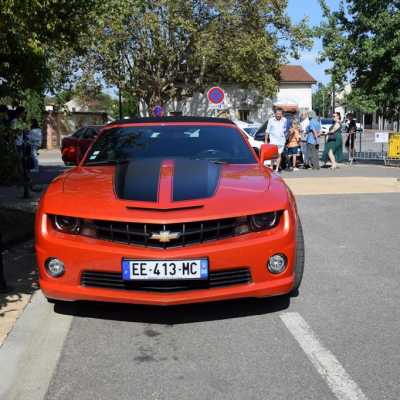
(195, 179)
(138, 180)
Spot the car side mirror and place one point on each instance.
(268, 152)
(70, 155)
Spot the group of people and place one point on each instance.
(27, 138)
(299, 140)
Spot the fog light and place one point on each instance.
(55, 267)
(277, 263)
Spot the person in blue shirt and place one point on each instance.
(313, 133)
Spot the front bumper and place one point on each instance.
(85, 254)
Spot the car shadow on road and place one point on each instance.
(173, 315)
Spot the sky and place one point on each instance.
(298, 9)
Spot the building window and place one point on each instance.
(244, 115)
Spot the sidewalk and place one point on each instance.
(17, 217)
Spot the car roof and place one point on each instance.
(171, 120)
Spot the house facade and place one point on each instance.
(294, 95)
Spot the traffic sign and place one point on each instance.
(158, 111)
(215, 95)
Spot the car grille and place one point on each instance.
(141, 234)
(113, 280)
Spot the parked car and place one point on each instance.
(167, 211)
(326, 123)
(77, 144)
(250, 129)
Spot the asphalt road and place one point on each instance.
(338, 339)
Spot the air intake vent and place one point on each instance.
(112, 280)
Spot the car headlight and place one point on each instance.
(66, 224)
(265, 221)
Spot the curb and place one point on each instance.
(29, 356)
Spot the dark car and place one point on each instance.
(79, 141)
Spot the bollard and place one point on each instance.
(3, 284)
(25, 178)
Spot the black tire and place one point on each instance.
(300, 256)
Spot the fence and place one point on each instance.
(367, 149)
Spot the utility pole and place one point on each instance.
(120, 102)
(323, 102)
(333, 96)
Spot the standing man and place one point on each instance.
(314, 129)
(276, 133)
(304, 123)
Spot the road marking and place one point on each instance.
(338, 380)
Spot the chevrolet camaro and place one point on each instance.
(168, 211)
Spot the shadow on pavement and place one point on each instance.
(21, 277)
(172, 315)
(47, 174)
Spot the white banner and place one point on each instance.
(381, 137)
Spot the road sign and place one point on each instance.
(381, 137)
(215, 95)
(158, 111)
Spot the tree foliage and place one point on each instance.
(163, 50)
(30, 32)
(321, 100)
(362, 40)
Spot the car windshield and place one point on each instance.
(251, 131)
(214, 143)
(326, 121)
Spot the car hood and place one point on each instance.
(161, 189)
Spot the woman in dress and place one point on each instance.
(334, 145)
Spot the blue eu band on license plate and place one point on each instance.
(138, 270)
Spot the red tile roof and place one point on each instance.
(295, 73)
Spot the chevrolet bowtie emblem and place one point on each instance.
(165, 236)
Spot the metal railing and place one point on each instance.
(365, 147)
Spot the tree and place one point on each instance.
(361, 40)
(166, 50)
(321, 100)
(31, 31)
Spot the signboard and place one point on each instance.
(158, 111)
(394, 145)
(216, 98)
(381, 137)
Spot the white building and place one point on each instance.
(294, 94)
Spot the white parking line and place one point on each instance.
(323, 360)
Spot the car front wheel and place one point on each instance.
(300, 256)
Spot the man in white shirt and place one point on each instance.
(305, 122)
(276, 133)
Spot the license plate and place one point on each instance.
(154, 270)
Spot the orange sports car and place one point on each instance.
(168, 211)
